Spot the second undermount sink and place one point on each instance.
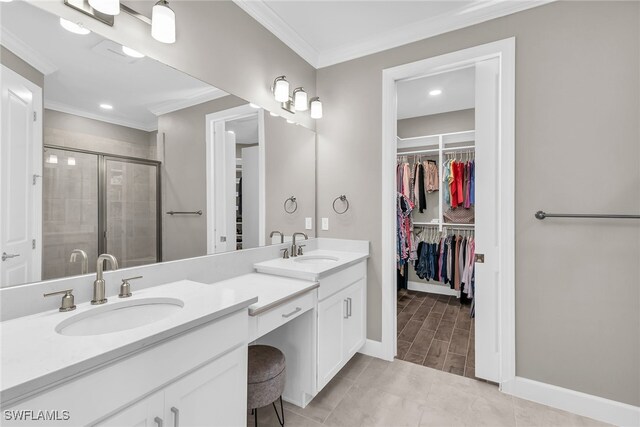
(316, 259)
(120, 316)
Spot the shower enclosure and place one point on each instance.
(99, 203)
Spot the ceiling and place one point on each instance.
(458, 93)
(328, 32)
(83, 71)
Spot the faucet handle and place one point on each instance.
(68, 300)
(285, 255)
(300, 249)
(125, 287)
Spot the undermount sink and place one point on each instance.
(120, 316)
(316, 259)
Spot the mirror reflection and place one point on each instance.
(105, 150)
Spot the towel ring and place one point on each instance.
(343, 199)
(293, 202)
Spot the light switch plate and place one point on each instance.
(325, 223)
(308, 224)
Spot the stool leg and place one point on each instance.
(281, 410)
(255, 416)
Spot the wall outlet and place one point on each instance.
(325, 223)
(308, 224)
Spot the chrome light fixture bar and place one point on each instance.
(299, 101)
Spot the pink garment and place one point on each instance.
(405, 180)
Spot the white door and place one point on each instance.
(214, 395)
(224, 189)
(332, 313)
(250, 198)
(487, 303)
(20, 180)
(146, 413)
(354, 324)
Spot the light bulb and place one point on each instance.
(281, 89)
(73, 27)
(131, 52)
(316, 108)
(108, 7)
(435, 92)
(300, 99)
(163, 23)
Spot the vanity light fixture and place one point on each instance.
(106, 106)
(300, 99)
(435, 92)
(131, 52)
(316, 108)
(281, 89)
(108, 7)
(163, 22)
(73, 27)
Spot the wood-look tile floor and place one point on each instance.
(436, 331)
(374, 392)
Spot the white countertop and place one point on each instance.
(271, 290)
(34, 355)
(310, 270)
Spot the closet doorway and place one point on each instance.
(489, 146)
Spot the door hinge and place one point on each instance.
(35, 116)
(33, 244)
(479, 258)
(35, 177)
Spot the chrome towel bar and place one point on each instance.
(184, 213)
(542, 215)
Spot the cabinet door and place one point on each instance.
(146, 413)
(214, 395)
(331, 315)
(355, 323)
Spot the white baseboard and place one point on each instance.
(432, 288)
(598, 408)
(374, 349)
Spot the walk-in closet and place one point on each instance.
(435, 180)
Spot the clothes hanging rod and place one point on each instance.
(542, 215)
(184, 213)
(435, 150)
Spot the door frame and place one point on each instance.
(36, 170)
(504, 50)
(210, 122)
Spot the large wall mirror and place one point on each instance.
(128, 156)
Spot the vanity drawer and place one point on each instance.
(281, 314)
(338, 281)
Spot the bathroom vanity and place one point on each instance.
(176, 354)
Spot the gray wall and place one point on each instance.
(184, 176)
(217, 42)
(577, 150)
(15, 63)
(70, 130)
(290, 171)
(452, 121)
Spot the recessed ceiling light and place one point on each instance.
(290, 121)
(71, 161)
(252, 105)
(6, 1)
(231, 132)
(106, 106)
(273, 114)
(131, 52)
(435, 92)
(73, 27)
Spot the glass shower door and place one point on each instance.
(70, 212)
(131, 217)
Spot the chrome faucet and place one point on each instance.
(294, 247)
(84, 267)
(98, 284)
(274, 232)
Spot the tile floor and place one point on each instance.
(374, 392)
(436, 331)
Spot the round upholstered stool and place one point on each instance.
(266, 379)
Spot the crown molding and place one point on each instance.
(463, 17)
(205, 95)
(261, 12)
(26, 53)
(64, 108)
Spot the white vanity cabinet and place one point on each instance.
(341, 320)
(211, 396)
